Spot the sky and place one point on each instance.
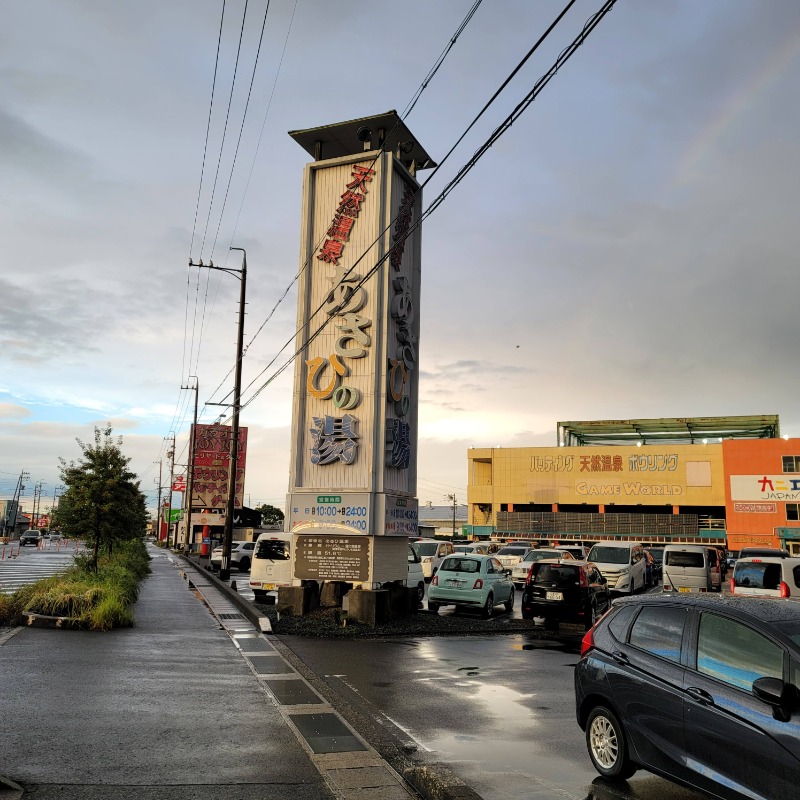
(628, 248)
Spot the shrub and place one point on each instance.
(95, 600)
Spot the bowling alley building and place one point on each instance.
(727, 481)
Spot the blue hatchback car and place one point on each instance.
(701, 689)
(471, 580)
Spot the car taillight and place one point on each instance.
(667, 587)
(529, 579)
(784, 589)
(584, 581)
(733, 585)
(435, 580)
(587, 643)
(478, 584)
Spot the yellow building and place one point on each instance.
(652, 480)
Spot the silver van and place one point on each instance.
(691, 568)
(622, 564)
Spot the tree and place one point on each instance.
(102, 502)
(270, 515)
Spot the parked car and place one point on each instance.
(721, 672)
(511, 554)
(565, 592)
(577, 551)
(431, 552)
(241, 555)
(416, 577)
(621, 564)
(271, 567)
(30, 536)
(56, 536)
(521, 570)
(767, 576)
(691, 568)
(749, 552)
(472, 581)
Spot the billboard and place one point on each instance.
(212, 465)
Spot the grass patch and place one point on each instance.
(93, 601)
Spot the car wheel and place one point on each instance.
(486, 611)
(509, 604)
(421, 591)
(244, 565)
(526, 614)
(433, 606)
(605, 739)
(594, 615)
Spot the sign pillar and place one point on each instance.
(353, 477)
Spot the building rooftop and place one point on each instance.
(668, 430)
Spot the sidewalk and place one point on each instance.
(194, 702)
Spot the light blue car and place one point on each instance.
(472, 581)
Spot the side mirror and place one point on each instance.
(774, 692)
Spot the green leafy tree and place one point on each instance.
(102, 502)
(270, 515)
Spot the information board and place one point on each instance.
(332, 557)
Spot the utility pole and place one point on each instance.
(190, 469)
(233, 460)
(171, 457)
(453, 498)
(20, 488)
(159, 510)
(37, 499)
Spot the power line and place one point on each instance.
(565, 55)
(377, 155)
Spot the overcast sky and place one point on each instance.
(628, 249)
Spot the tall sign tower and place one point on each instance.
(353, 479)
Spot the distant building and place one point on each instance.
(438, 520)
(730, 481)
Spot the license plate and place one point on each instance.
(554, 596)
(268, 586)
(684, 589)
(455, 584)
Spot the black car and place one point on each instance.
(31, 536)
(565, 592)
(698, 688)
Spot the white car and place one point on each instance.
(416, 577)
(241, 556)
(519, 572)
(431, 552)
(511, 554)
(766, 576)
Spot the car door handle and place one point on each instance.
(620, 657)
(701, 696)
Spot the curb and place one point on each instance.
(10, 790)
(258, 618)
(438, 783)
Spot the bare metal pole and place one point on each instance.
(190, 470)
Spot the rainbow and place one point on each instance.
(711, 133)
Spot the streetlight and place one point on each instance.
(241, 274)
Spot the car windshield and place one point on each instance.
(460, 564)
(610, 555)
(273, 549)
(538, 555)
(757, 575)
(678, 558)
(425, 548)
(511, 551)
(555, 575)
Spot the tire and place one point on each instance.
(594, 615)
(433, 607)
(244, 565)
(509, 604)
(488, 606)
(607, 745)
(420, 592)
(527, 615)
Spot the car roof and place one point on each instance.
(771, 559)
(767, 610)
